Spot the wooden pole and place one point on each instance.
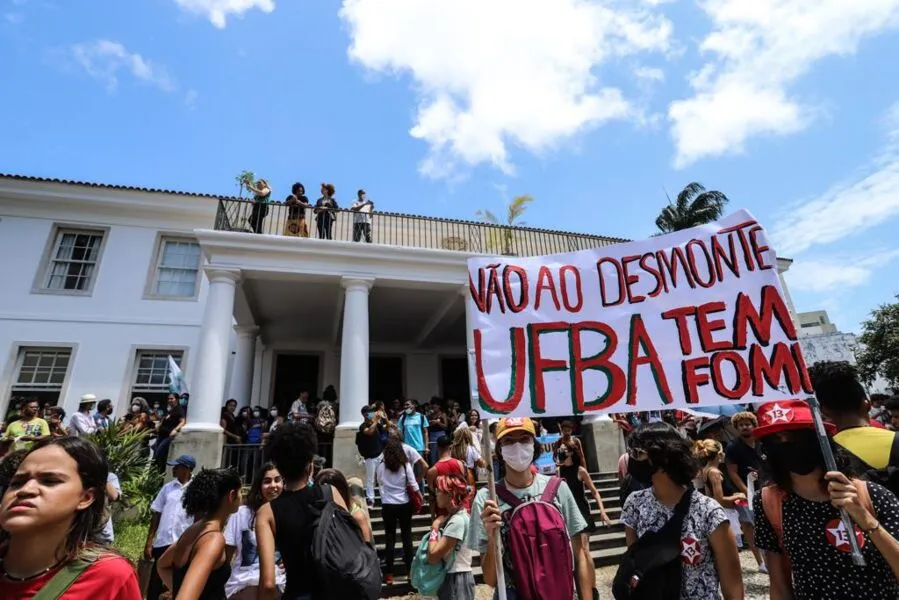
(485, 444)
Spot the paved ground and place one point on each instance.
(755, 583)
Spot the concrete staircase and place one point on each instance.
(607, 544)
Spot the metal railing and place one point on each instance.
(395, 229)
(247, 458)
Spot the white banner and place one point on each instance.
(689, 319)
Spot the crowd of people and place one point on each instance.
(692, 493)
(324, 211)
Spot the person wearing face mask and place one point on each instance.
(660, 456)
(798, 521)
(103, 415)
(517, 448)
(256, 427)
(369, 445)
(167, 429)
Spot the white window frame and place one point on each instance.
(153, 276)
(15, 358)
(137, 389)
(42, 278)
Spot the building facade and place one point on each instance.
(106, 282)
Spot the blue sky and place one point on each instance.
(444, 107)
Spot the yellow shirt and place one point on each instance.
(36, 427)
(878, 448)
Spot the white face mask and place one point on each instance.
(518, 457)
(135, 407)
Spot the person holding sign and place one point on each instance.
(546, 514)
(705, 551)
(798, 521)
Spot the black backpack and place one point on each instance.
(346, 566)
(651, 567)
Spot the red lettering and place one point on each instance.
(639, 339)
(679, 315)
(758, 250)
(796, 350)
(539, 365)
(494, 288)
(545, 282)
(630, 280)
(479, 295)
(741, 369)
(563, 282)
(707, 327)
(522, 302)
(516, 389)
(599, 362)
(727, 257)
(781, 364)
(619, 277)
(691, 259)
(772, 307)
(693, 378)
(660, 281)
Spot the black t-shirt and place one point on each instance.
(369, 445)
(295, 515)
(818, 549)
(743, 455)
(171, 420)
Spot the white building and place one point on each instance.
(102, 283)
(815, 322)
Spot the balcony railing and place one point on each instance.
(414, 231)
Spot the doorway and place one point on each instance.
(294, 373)
(454, 380)
(386, 378)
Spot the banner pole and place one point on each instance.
(485, 442)
(831, 465)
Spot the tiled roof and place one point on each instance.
(106, 186)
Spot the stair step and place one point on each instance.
(601, 558)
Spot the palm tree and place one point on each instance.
(503, 237)
(694, 206)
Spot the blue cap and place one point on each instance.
(185, 460)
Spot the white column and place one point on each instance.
(354, 351)
(205, 410)
(242, 376)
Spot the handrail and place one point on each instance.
(400, 229)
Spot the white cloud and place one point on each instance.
(832, 275)
(758, 48)
(218, 11)
(104, 60)
(504, 72)
(649, 73)
(190, 99)
(848, 208)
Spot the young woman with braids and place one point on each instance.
(196, 566)
(49, 512)
(240, 536)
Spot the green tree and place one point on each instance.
(694, 206)
(243, 180)
(879, 350)
(502, 237)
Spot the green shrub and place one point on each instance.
(129, 458)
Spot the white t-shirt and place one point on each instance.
(393, 483)
(472, 456)
(173, 520)
(240, 534)
(81, 424)
(457, 527)
(412, 455)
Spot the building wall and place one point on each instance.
(107, 326)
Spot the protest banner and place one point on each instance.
(689, 319)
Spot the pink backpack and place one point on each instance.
(539, 546)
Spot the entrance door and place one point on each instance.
(295, 373)
(385, 378)
(454, 380)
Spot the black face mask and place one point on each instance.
(641, 470)
(800, 459)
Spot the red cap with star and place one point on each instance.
(786, 415)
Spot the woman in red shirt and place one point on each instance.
(53, 505)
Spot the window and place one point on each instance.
(73, 260)
(40, 374)
(151, 372)
(177, 269)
